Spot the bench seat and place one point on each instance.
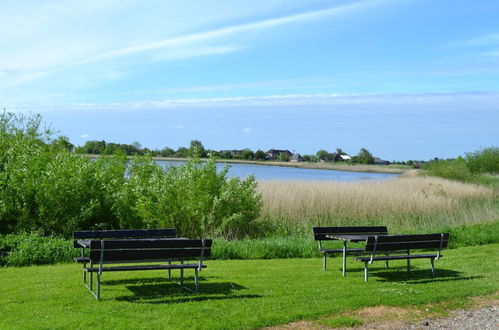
(143, 267)
(398, 257)
(114, 255)
(82, 260)
(381, 247)
(340, 250)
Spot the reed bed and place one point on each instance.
(405, 204)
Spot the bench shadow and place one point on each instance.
(164, 291)
(416, 275)
(421, 276)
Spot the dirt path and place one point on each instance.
(481, 313)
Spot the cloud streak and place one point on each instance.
(200, 44)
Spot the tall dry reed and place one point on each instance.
(404, 203)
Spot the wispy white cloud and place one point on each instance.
(85, 136)
(178, 47)
(277, 100)
(486, 40)
(246, 130)
(195, 52)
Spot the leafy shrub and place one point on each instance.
(44, 187)
(484, 161)
(32, 249)
(193, 198)
(455, 169)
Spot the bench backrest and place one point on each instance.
(123, 233)
(321, 232)
(407, 242)
(137, 250)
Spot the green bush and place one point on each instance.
(484, 161)
(455, 169)
(45, 188)
(32, 249)
(194, 198)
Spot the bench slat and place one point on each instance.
(341, 250)
(321, 232)
(146, 267)
(401, 242)
(150, 243)
(398, 257)
(146, 254)
(125, 233)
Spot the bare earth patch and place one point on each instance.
(480, 313)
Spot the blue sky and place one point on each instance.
(406, 79)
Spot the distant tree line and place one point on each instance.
(196, 148)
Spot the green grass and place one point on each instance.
(237, 293)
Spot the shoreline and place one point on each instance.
(305, 165)
(388, 169)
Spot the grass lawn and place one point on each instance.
(237, 293)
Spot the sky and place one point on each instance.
(405, 79)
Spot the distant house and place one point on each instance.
(276, 153)
(335, 157)
(379, 161)
(296, 158)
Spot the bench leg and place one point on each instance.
(181, 273)
(91, 281)
(386, 264)
(98, 286)
(196, 275)
(344, 258)
(366, 269)
(324, 262)
(408, 261)
(432, 260)
(169, 271)
(84, 273)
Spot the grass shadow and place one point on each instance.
(420, 276)
(164, 291)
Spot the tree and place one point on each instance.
(260, 155)
(364, 157)
(93, 147)
(181, 152)
(197, 149)
(310, 158)
(167, 152)
(62, 143)
(323, 155)
(339, 151)
(284, 157)
(137, 145)
(247, 154)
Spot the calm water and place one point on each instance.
(262, 172)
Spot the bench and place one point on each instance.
(321, 233)
(128, 253)
(402, 245)
(82, 239)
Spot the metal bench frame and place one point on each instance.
(321, 232)
(381, 245)
(186, 249)
(115, 234)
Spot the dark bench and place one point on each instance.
(82, 239)
(402, 245)
(321, 233)
(129, 252)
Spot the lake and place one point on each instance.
(263, 172)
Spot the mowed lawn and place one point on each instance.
(236, 294)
